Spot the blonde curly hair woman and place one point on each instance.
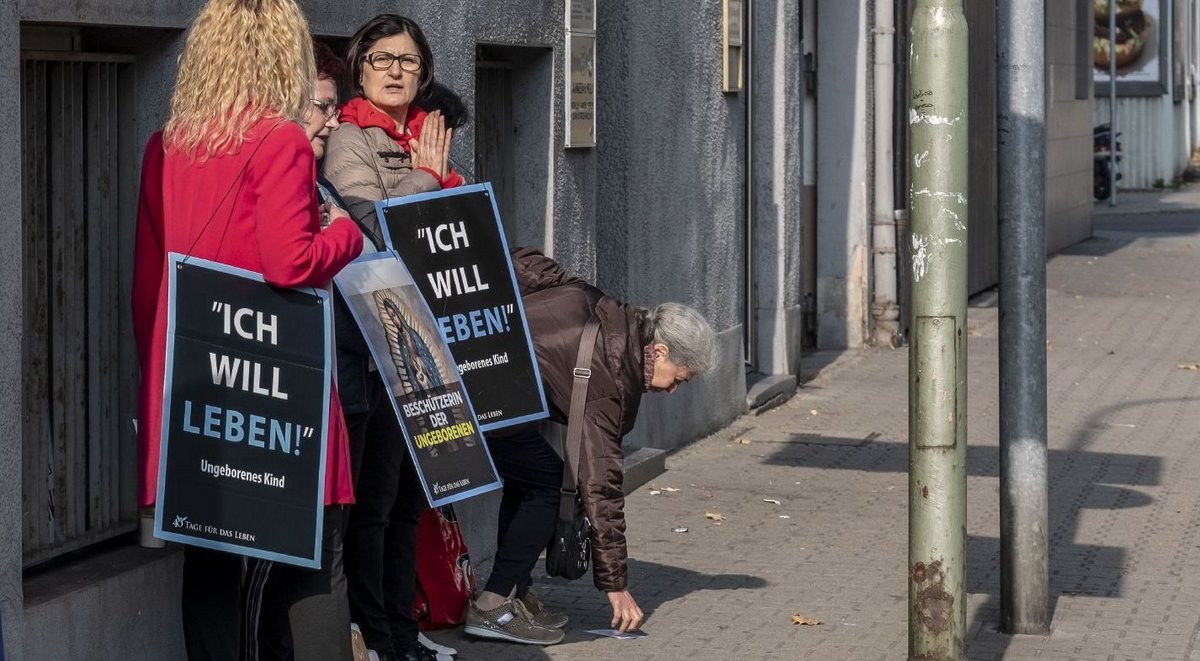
(232, 179)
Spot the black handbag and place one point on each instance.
(570, 551)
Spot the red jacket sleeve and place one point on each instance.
(295, 252)
(451, 180)
(148, 256)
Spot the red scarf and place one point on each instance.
(363, 114)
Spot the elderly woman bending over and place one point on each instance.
(637, 351)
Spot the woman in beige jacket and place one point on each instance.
(386, 147)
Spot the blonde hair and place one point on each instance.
(244, 60)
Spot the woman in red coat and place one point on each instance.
(232, 179)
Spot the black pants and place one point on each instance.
(236, 607)
(381, 539)
(532, 474)
(212, 604)
(302, 613)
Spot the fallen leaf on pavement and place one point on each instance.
(742, 441)
(715, 516)
(801, 620)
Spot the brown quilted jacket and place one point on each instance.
(557, 306)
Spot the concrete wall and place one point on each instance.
(11, 334)
(777, 152)
(671, 207)
(843, 251)
(1068, 129)
(121, 604)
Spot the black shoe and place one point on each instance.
(419, 653)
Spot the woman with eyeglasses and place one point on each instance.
(232, 179)
(386, 146)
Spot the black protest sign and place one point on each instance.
(426, 389)
(245, 412)
(454, 246)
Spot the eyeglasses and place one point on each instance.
(383, 60)
(328, 108)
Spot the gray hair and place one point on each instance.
(687, 335)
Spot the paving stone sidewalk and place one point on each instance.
(1124, 316)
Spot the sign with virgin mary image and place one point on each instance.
(423, 381)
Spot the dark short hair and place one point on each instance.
(450, 104)
(329, 65)
(380, 27)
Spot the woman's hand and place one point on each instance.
(331, 212)
(432, 149)
(626, 614)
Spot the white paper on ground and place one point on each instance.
(613, 633)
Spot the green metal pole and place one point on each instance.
(937, 474)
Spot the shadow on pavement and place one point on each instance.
(1165, 223)
(657, 584)
(1100, 245)
(1079, 480)
(1113, 233)
(873, 455)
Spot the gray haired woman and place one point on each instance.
(637, 350)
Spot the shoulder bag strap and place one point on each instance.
(573, 447)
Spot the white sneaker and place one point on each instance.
(358, 646)
(444, 653)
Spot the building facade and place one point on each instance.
(760, 203)
(1157, 110)
(860, 128)
(665, 206)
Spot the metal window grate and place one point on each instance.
(78, 458)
